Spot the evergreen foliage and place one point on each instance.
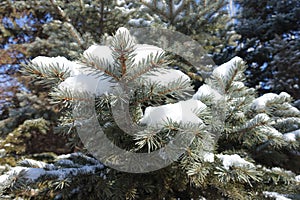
(257, 153)
(32, 28)
(205, 21)
(253, 127)
(269, 43)
(208, 22)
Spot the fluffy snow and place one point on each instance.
(166, 76)
(234, 160)
(99, 51)
(276, 169)
(126, 33)
(291, 136)
(224, 69)
(238, 84)
(3, 178)
(275, 195)
(120, 2)
(34, 173)
(142, 51)
(284, 94)
(177, 112)
(250, 49)
(80, 155)
(272, 132)
(14, 170)
(2, 152)
(88, 83)
(62, 62)
(41, 168)
(30, 173)
(35, 163)
(205, 90)
(209, 157)
(221, 71)
(297, 178)
(95, 85)
(260, 102)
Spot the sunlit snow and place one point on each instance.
(224, 69)
(177, 112)
(234, 160)
(65, 64)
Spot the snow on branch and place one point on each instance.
(66, 166)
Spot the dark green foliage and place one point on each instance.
(269, 43)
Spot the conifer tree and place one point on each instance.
(269, 43)
(228, 168)
(32, 28)
(207, 22)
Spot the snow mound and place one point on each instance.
(177, 112)
(165, 76)
(234, 160)
(46, 62)
(260, 103)
(224, 69)
(91, 84)
(292, 136)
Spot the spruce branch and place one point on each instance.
(155, 9)
(178, 89)
(68, 23)
(101, 66)
(52, 74)
(144, 67)
(67, 97)
(149, 137)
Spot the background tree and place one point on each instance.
(31, 28)
(207, 22)
(204, 21)
(269, 43)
